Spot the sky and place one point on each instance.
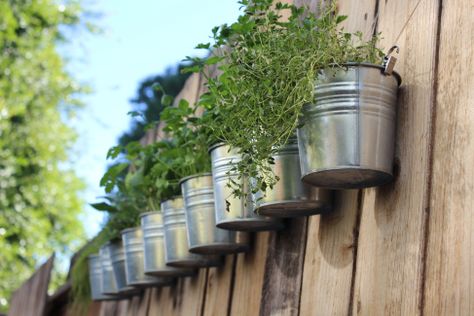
(139, 38)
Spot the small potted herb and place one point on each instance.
(304, 75)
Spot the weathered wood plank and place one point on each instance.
(248, 280)
(284, 269)
(219, 288)
(32, 297)
(332, 239)
(329, 259)
(192, 294)
(450, 255)
(390, 253)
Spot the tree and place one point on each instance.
(148, 100)
(39, 201)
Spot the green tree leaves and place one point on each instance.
(39, 201)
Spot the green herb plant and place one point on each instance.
(269, 68)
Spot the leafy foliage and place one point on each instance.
(269, 71)
(39, 201)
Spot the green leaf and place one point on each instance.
(166, 100)
(102, 206)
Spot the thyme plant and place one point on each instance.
(269, 69)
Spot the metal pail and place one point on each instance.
(347, 136)
(95, 278)
(232, 212)
(177, 253)
(109, 285)
(203, 235)
(155, 247)
(290, 197)
(117, 256)
(134, 261)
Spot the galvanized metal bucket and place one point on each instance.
(117, 255)
(232, 212)
(95, 278)
(347, 137)
(155, 247)
(109, 285)
(177, 253)
(290, 197)
(134, 261)
(203, 235)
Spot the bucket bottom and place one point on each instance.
(129, 291)
(251, 224)
(155, 283)
(171, 273)
(347, 178)
(293, 208)
(220, 248)
(196, 263)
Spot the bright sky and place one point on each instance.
(141, 38)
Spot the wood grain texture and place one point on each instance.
(248, 281)
(32, 297)
(284, 269)
(332, 239)
(329, 258)
(450, 250)
(392, 231)
(219, 288)
(190, 294)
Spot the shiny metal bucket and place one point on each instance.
(95, 279)
(134, 261)
(117, 255)
(203, 235)
(109, 285)
(348, 135)
(155, 247)
(232, 212)
(177, 253)
(290, 197)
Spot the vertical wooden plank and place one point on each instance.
(284, 269)
(191, 295)
(161, 302)
(392, 230)
(332, 239)
(32, 297)
(328, 265)
(248, 280)
(144, 303)
(449, 286)
(219, 288)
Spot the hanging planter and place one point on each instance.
(134, 261)
(154, 239)
(203, 235)
(290, 197)
(95, 279)
(117, 256)
(177, 253)
(234, 212)
(108, 285)
(347, 136)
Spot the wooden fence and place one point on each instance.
(401, 249)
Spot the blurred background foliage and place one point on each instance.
(39, 193)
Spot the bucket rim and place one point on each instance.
(197, 175)
(369, 65)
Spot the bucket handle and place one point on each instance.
(389, 60)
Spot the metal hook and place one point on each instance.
(389, 61)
